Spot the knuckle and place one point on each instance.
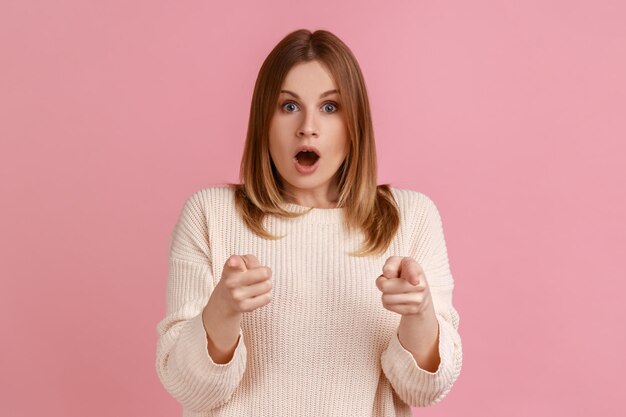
(261, 272)
(248, 305)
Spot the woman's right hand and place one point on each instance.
(245, 285)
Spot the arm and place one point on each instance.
(223, 331)
(415, 385)
(419, 334)
(183, 364)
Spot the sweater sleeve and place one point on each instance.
(183, 364)
(414, 385)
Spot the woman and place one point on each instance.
(308, 289)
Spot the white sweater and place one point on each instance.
(324, 345)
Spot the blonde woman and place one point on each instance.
(308, 289)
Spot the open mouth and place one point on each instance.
(307, 158)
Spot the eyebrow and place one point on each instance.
(329, 92)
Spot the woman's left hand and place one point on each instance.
(404, 287)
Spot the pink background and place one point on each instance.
(510, 115)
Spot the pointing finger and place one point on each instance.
(410, 270)
(251, 261)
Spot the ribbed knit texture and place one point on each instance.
(324, 345)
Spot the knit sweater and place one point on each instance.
(324, 345)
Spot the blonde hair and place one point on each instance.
(366, 206)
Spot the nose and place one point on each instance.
(308, 126)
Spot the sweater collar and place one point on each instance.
(316, 215)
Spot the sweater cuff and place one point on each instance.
(191, 354)
(401, 363)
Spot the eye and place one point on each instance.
(285, 104)
(292, 106)
(333, 105)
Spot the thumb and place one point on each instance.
(236, 263)
(251, 261)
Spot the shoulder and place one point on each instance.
(418, 211)
(200, 203)
(190, 237)
(214, 195)
(412, 200)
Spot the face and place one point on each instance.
(308, 115)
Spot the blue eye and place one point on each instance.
(291, 103)
(333, 105)
(288, 103)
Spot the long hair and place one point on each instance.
(366, 205)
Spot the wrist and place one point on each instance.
(216, 310)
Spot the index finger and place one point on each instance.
(251, 261)
(410, 270)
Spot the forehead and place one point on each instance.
(309, 79)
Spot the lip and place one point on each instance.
(304, 169)
(307, 148)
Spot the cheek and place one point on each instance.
(342, 143)
(273, 150)
(340, 133)
(278, 149)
